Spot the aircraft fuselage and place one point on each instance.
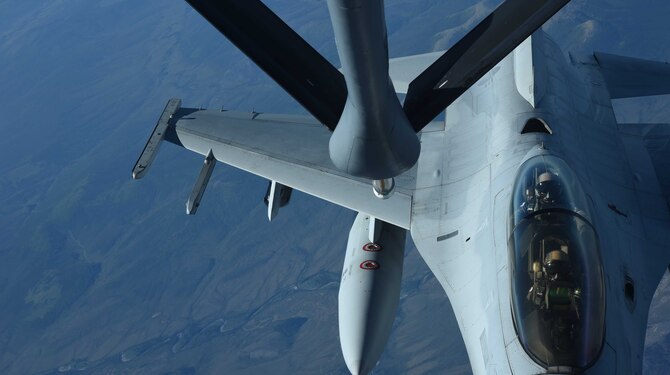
(537, 104)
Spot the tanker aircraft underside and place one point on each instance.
(544, 220)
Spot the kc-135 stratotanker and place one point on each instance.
(545, 221)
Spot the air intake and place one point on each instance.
(536, 125)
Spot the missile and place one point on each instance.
(369, 290)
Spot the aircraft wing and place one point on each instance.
(291, 150)
(629, 77)
(656, 140)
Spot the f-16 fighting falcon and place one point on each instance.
(545, 221)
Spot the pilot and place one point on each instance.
(561, 291)
(537, 290)
(557, 263)
(546, 192)
(548, 188)
(561, 299)
(553, 288)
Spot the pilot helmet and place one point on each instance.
(548, 187)
(556, 262)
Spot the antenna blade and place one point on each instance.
(474, 55)
(287, 58)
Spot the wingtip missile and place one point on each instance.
(153, 143)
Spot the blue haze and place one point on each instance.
(101, 274)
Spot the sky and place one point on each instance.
(100, 273)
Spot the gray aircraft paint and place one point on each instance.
(373, 138)
(369, 291)
(459, 194)
(467, 189)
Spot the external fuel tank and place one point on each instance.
(369, 290)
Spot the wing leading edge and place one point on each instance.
(291, 150)
(655, 138)
(628, 77)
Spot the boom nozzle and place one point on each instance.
(383, 188)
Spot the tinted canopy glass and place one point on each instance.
(558, 299)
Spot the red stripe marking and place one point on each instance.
(369, 265)
(373, 247)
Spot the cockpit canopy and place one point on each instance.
(546, 182)
(558, 298)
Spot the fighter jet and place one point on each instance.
(545, 221)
